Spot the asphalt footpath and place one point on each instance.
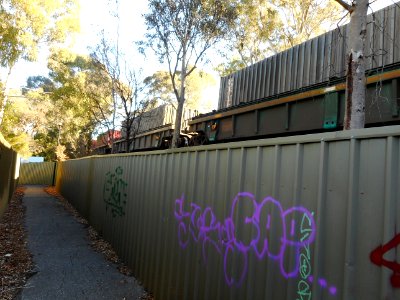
(66, 267)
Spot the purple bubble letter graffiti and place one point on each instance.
(262, 228)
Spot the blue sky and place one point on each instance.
(94, 17)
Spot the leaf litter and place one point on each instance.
(16, 264)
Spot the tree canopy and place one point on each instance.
(265, 27)
(180, 32)
(57, 115)
(159, 87)
(126, 87)
(24, 24)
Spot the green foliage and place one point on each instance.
(265, 27)
(56, 116)
(25, 24)
(46, 144)
(159, 87)
(18, 141)
(302, 20)
(254, 31)
(126, 86)
(16, 124)
(180, 32)
(82, 95)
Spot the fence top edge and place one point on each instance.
(4, 142)
(358, 134)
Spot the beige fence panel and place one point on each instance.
(9, 172)
(77, 173)
(288, 218)
(37, 173)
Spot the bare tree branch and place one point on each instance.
(345, 5)
(188, 28)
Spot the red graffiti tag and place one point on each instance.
(376, 257)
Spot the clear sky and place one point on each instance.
(94, 17)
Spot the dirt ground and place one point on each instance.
(16, 265)
(15, 260)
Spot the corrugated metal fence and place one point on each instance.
(9, 172)
(37, 173)
(300, 217)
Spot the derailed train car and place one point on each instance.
(302, 89)
(153, 130)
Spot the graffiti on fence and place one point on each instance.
(114, 192)
(303, 286)
(376, 257)
(266, 230)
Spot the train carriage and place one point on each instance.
(302, 89)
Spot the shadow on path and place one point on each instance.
(67, 267)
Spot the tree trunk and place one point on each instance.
(3, 107)
(178, 124)
(181, 102)
(5, 95)
(128, 139)
(355, 83)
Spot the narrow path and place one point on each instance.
(66, 265)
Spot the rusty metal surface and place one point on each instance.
(301, 217)
(319, 60)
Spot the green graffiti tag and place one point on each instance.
(303, 287)
(114, 192)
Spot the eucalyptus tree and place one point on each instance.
(81, 98)
(159, 87)
(15, 126)
(126, 87)
(26, 25)
(266, 27)
(180, 32)
(252, 37)
(301, 20)
(355, 61)
(55, 116)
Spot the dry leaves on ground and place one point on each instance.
(15, 259)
